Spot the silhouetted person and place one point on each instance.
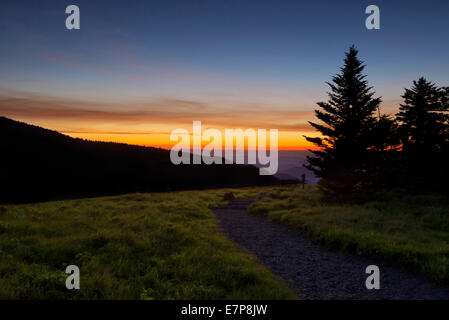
(303, 180)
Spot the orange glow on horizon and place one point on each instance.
(150, 123)
(286, 141)
(156, 132)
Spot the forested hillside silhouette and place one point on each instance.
(39, 164)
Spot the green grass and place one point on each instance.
(135, 246)
(411, 230)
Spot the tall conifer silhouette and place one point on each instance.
(424, 133)
(422, 117)
(347, 119)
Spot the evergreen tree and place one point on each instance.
(424, 135)
(445, 97)
(384, 155)
(445, 110)
(385, 135)
(347, 122)
(422, 117)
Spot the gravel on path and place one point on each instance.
(313, 271)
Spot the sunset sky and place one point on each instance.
(136, 70)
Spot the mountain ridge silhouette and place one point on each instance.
(41, 165)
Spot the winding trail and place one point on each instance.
(312, 271)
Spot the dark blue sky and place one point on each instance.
(223, 54)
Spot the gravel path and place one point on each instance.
(311, 270)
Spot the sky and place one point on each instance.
(137, 70)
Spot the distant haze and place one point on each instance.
(290, 165)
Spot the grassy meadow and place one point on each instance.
(411, 230)
(169, 246)
(135, 246)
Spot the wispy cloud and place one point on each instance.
(170, 112)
